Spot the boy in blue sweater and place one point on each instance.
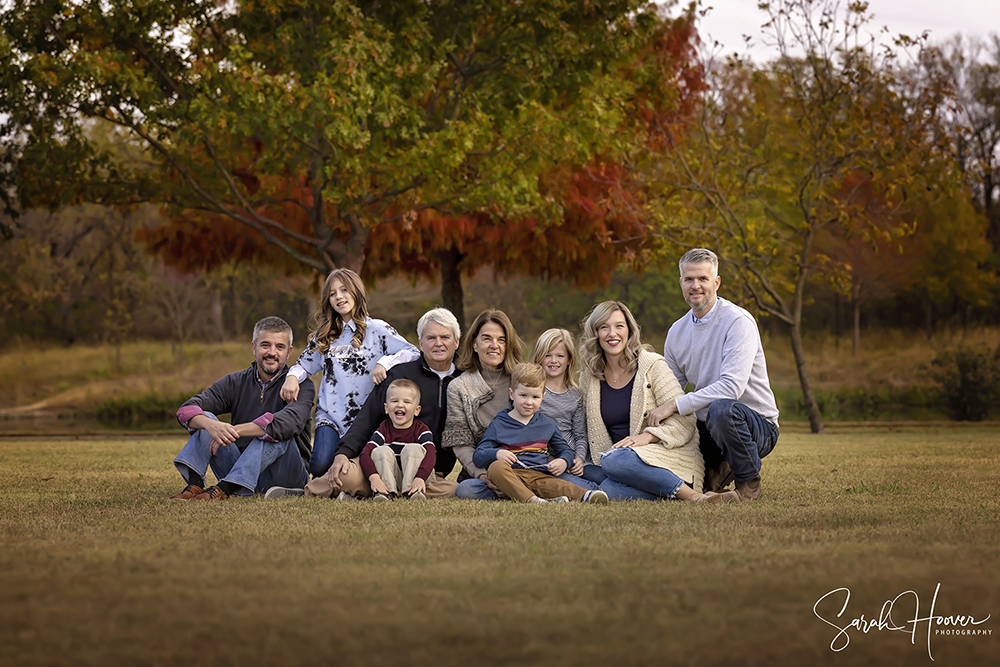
(515, 448)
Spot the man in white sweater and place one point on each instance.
(716, 347)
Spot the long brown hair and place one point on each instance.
(327, 323)
(514, 353)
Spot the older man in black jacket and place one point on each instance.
(438, 331)
(268, 442)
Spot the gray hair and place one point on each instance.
(273, 325)
(442, 316)
(699, 256)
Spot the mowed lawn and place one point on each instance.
(97, 567)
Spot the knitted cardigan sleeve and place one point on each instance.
(677, 446)
(457, 429)
(678, 429)
(459, 433)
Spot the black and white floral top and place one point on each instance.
(347, 370)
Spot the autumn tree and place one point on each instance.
(599, 223)
(583, 226)
(353, 113)
(74, 274)
(759, 174)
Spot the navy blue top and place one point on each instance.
(615, 407)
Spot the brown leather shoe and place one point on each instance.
(750, 489)
(189, 492)
(717, 479)
(211, 493)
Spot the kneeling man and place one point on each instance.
(716, 347)
(268, 442)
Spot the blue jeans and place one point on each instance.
(738, 434)
(593, 473)
(631, 478)
(256, 469)
(477, 489)
(324, 445)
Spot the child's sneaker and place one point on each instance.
(595, 497)
(283, 492)
(344, 495)
(417, 496)
(381, 498)
(557, 499)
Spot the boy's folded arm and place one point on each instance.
(465, 454)
(485, 454)
(560, 449)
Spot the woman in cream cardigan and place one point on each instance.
(622, 380)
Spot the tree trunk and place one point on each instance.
(928, 318)
(218, 331)
(857, 328)
(452, 296)
(836, 320)
(808, 399)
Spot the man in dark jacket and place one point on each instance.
(268, 442)
(438, 331)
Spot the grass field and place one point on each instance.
(98, 568)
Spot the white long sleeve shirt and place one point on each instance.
(722, 357)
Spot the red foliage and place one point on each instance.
(600, 225)
(599, 228)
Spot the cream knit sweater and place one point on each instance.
(677, 449)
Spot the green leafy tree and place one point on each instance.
(760, 174)
(352, 113)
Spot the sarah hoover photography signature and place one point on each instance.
(900, 614)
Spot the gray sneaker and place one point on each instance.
(344, 495)
(558, 499)
(283, 492)
(417, 496)
(381, 498)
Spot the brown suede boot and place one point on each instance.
(714, 497)
(750, 489)
(717, 479)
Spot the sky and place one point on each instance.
(728, 20)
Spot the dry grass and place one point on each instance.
(98, 568)
(887, 359)
(81, 376)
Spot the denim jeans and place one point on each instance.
(476, 489)
(324, 445)
(593, 473)
(738, 434)
(256, 469)
(631, 478)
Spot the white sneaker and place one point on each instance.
(344, 495)
(283, 492)
(596, 497)
(417, 496)
(558, 499)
